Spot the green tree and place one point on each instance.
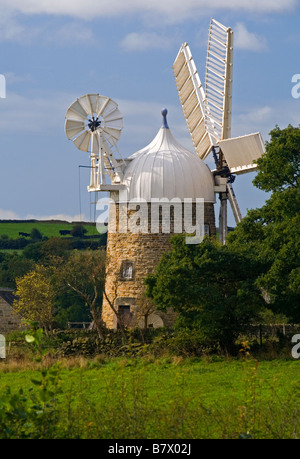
(33, 251)
(78, 230)
(279, 168)
(55, 247)
(69, 307)
(210, 286)
(36, 235)
(13, 266)
(84, 274)
(35, 297)
(272, 233)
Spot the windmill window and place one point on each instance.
(127, 270)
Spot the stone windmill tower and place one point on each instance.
(162, 184)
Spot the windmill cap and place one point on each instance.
(166, 169)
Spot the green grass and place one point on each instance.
(49, 229)
(173, 398)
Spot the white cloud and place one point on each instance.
(11, 29)
(8, 215)
(254, 119)
(264, 118)
(143, 120)
(142, 41)
(72, 33)
(43, 114)
(12, 78)
(256, 115)
(38, 113)
(63, 217)
(243, 39)
(175, 9)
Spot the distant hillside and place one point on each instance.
(48, 228)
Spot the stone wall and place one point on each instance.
(130, 258)
(9, 319)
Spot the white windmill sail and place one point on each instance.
(218, 92)
(218, 81)
(192, 98)
(208, 115)
(241, 153)
(94, 123)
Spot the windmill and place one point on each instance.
(94, 123)
(207, 112)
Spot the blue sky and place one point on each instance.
(55, 51)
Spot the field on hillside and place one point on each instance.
(147, 398)
(47, 228)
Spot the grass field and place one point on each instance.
(49, 229)
(177, 398)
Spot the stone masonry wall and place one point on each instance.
(143, 250)
(9, 320)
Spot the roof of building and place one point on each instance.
(166, 169)
(7, 295)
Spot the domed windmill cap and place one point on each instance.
(166, 169)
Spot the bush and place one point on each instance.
(36, 235)
(183, 342)
(78, 231)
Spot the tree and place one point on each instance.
(84, 273)
(78, 230)
(211, 287)
(55, 246)
(35, 297)
(36, 235)
(145, 307)
(279, 168)
(70, 307)
(13, 266)
(33, 251)
(272, 233)
(42, 251)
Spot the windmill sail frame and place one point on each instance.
(94, 123)
(209, 120)
(192, 98)
(218, 81)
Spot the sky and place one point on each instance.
(52, 52)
